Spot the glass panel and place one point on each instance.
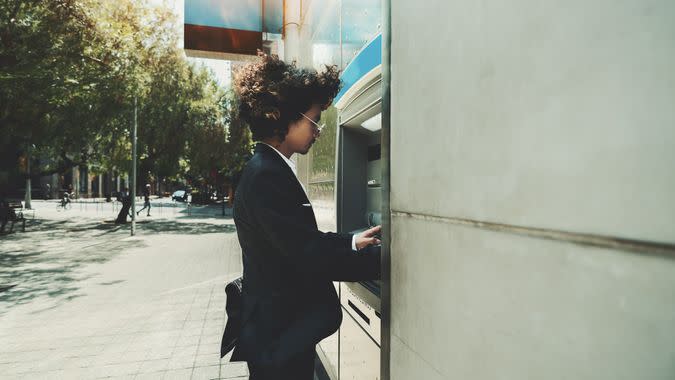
(323, 152)
(321, 29)
(361, 21)
(324, 41)
(323, 203)
(273, 16)
(331, 42)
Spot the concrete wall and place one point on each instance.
(533, 189)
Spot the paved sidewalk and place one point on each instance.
(80, 299)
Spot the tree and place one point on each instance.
(70, 70)
(239, 147)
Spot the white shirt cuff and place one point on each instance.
(354, 243)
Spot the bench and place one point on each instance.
(25, 211)
(13, 213)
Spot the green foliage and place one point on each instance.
(69, 73)
(239, 147)
(323, 151)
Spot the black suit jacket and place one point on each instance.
(289, 301)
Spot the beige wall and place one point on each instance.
(555, 121)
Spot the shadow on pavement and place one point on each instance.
(182, 227)
(46, 260)
(209, 211)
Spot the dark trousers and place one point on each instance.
(301, 367)
(145, 205)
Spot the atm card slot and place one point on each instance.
(359, 312)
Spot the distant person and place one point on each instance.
(48, 191)
(146, 199)
(126, 206)
(65, 199)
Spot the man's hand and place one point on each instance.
(367, 238)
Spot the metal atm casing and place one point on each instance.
(359, 206)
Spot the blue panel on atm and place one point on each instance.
(368, 58)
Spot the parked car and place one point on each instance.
(179, 196)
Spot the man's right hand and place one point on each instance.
(368, 237)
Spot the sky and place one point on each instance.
(220, 68)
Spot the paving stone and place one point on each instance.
(179, 374)
(150, 376)
(149, 366)
(162, 353)
(185, 351)
(192, 340)
(56, 375)
(120, 369)
(206, 360)
(233, 369)
(181, 362)
(206, 373)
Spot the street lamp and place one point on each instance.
(133, 168)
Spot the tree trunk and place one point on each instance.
(109, 186)
(27, 203)
(76, 181)
(99, 178)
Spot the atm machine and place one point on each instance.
(359, 205)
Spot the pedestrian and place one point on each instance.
(146, 199)
(65, 199)
(289, 300)
(126, 206)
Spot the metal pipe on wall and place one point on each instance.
(385, 296)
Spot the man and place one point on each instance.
(65, 199)
(289, 301)
(146, 199)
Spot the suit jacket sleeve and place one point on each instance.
(315, 253)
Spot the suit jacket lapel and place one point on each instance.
(269, 154)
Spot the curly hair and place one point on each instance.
(272, 93)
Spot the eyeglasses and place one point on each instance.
(316, 126)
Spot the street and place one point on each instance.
(82, 299)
